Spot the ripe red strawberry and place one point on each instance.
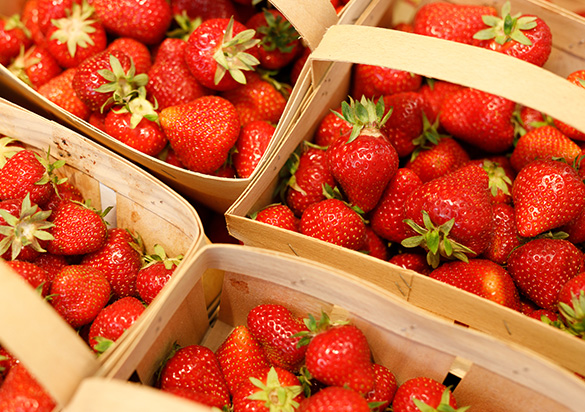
(158, 268)
(333, 221)
(419, 391)
(59, 90)
(78, 229)
(374, 82)
(149, 23)
(505, 237)
(111, 322)
(547, 194)
(544, 315)
(64, 191)
(575, 229)
(35, 66)
(261, 98)
(79, 293)
(385, 387)
(199, 397)
(206, 9)
(51, 263)
(413, 261)
(363, 162)
(501, 175)
(218, 53)
(271, 388)
(434, 93)
(335, 398)
(340, 356)
(251, 145)
(274, 326)
(20, 390)
(309, 175)
(279, 41)
(119, 259)
(526, 37)
(278, 215)
(7, 361)
(240, 356)
(49, 10)
(405, 124)
(201, 132)
(457, 208)
(436, 156)
(374, 245)
(577, 78)
(136, 50)
(330, 128)
(13, 36)
(36, 276)
(75, 37)
(170, 48)
(530, 119)
(387, 219)
(541, 267)
(571, 304)
(543, 142)
(481, 277)
(196, 367)
(480, 119)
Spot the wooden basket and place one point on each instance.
(29, 327)
(467, 65)
(494, 375)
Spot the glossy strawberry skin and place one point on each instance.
(505, 237)
(150, 280)
(251, 145)
(36, 276)
(385, 387)
(334, 398)
(377, 81)
(36, 66)
(374, 245)
(434, 95)
(278, 215)
(147, 136)
(406, 121)
(424, 389)
(60, 91)
(330, 128)
(18, 177)
(438, 160)
(20, 390)
(135, 49)
(12, 39)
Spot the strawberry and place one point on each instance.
(452, 215)
(8, 148)
(79, 293)
(169, 49)
(59, 90)
(526, 37)
(240, 356)
(335, 398)
(420, 393)
(269, 389)
(279, 41)
(505, 237)
(331, 127)
(119, 259)
(251, 145)
(571, 304)
(20, 391)
(541, 267)
(501, 174)
(413, 261)
(7, 361)
(201, 132)
(49, 10)
(331, 220)
(434, 93)
(51, 263)
(577, 78)
(278, 215)
(481, 277)
(374, 245)
(14, 35)
(387, 218)
(374, 82)
(156, 271)
(136, 50)
(23, 229)
(111, 322)
(149, 23)
(75, 37)
(65, 191)
(544, 315)
(35, 66)
(385, 387)
(480, 119)
(78, 229)
(30, 18)
(199, 397)
(529, 119)
(363, 162)
(196, 367)
(36, 276)
(275, 327)
(575, 229)
(543, 142)
(547, 194)
(405, 123)
(205, 9)
(217, 54)
(455, 22)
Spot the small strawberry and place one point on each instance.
(547, 194)
(385, 387)
(251, 145)
(79, 293)
(374, 82)
(136, 50)
(201, 132)
(35, 66)
(111, 322)
(335, 398)
(278, 215)
(413, 261)
(119, 259)
(571, 304)
(14, 36)
(481, 277)
(36, 276)
(59, 90)
(505, 237)
(20, 391)
(421, 394)
(274, 326)
(156, 271)
(541, 267)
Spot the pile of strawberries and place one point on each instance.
(280, 362)
(98, 278)
(199, 84)
(455, 183)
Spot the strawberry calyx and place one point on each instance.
(102, 344)
(334, 193)
(315, 327)
(498, 180)
(160, 256)
(75, 29)
(507, 27)
(21, 62)
(429, 137)
(50, 176)
(520, 126)
(7, 150)
(275, 396)
(26, 229)
(574, 314)
(186, 25)
(278, 33)
(435, 239)
(365, 116)
(15, 22)
(140, 108)
(268, 75)
(442, 407)
(231, 56)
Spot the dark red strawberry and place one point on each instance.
(331, 127)
(374, 245)
(51, 263)
(501, 175)
(434, 93)
(65, 191)
(405, 124)
(205, 9)
(251, 145)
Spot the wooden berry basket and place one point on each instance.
(29, 327)
(494, 375)
(475, 67)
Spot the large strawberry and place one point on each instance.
(363, 162)
(481, 277)
(547, 194)
(541, 267)
(374, 82)
(335, 398)
(451, 215)
(202, 132)
(422, 393)
(20, 390)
